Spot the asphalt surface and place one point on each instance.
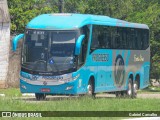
(31, 97)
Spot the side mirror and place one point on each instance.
(15, 41)
(78, 44)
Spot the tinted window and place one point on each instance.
(119, 38)
(101, 37)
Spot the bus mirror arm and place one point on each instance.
(15, 41)
(79, 44)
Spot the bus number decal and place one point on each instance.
(119, 70)
(100, 57)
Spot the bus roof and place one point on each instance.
(64, 21)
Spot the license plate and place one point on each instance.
(45, 90)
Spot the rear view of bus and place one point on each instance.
(61, 54)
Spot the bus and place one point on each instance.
(78, 54)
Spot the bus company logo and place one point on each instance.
(52, 77)
(100, 57)
(44, 83)
(119, 70)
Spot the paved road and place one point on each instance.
(31, 97)
(142, 95)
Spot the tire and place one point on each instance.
(90, 89)
(129, 91)
(135, 89)
(121, 94)
(81, 95)
(124, 94)
(118, 94)
(40, 96)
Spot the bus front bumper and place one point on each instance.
(66, 88)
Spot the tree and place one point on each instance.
(138, 11)
(21, 12)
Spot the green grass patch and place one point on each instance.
(152, 90)
(12, 102)
(80, 104)
(11, 92)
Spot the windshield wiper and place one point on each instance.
(38, 61)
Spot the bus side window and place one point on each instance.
(107, 37)
(101, 41)
(119, 38)
(95, 42)
(129, 39)
(139, 38)
(145, 39)
(112, 30)
(124, 38)
(133, 38)
(117, 41)
(82, 56)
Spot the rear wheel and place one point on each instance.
(135, 89)
(129, 89)
(40, 96)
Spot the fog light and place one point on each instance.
(68, 88)
(23, 86)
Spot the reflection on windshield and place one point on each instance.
(62, 50)
(49, 50)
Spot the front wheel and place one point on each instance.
(90, 89)
(118, 94)
(40, 96)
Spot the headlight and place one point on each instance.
(26, 75)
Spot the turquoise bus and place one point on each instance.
(77, 54)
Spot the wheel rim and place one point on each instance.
(129, 92)
(89, 89)
(135, 87)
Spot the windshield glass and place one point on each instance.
(49, 51)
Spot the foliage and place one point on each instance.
(21, 12)
(139, 11)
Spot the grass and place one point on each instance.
(11, 92)
(12, 103)
(152, 90)
(80, 104)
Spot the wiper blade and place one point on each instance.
(38, 61)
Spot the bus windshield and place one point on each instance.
(49, 51)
